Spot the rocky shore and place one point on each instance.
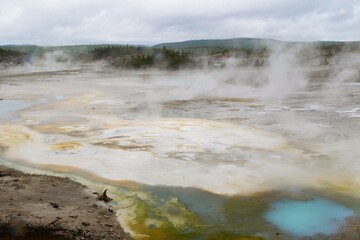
(48, 207)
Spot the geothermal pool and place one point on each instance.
(215, 154)
(307, 218)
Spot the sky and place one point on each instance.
(148, 22)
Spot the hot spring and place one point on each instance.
(221, 154)
(307, 218)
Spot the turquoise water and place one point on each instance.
(306, 218)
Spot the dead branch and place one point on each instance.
(104, 197)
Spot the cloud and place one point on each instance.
(153, 21)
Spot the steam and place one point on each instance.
(279, 79)
(230, 130)
(283, 76)
(47, 62)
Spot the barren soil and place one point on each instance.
(48, 207)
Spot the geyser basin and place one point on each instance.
(180, 135)
(214, 156)
(307, 218)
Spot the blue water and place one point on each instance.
(306, 218)
(59, 97)
(9, 108)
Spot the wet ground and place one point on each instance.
(195, 154)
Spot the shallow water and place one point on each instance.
(199, 145)
(9, 108)
(307, 218)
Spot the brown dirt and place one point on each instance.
(48, 207)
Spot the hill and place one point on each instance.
(233, 43)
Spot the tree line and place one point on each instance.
(143, 57)
(9, 57)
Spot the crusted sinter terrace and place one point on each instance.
(228, 150)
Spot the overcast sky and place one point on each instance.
(64, 22)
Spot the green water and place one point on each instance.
(163, 212)
(188, 213)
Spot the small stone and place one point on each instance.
(85, 223)
(55, 205)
